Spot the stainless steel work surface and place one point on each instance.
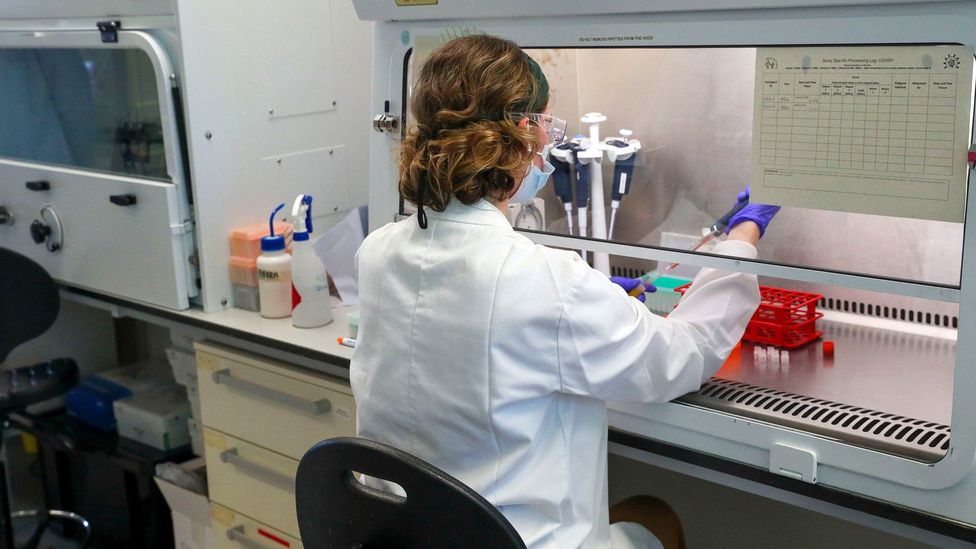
(885, 370)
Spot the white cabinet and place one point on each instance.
(235, 531)
(259, 418)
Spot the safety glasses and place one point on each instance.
(555, 128)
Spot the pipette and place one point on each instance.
(719, 227)
(561, 157)
(582, 196)
(623, 174)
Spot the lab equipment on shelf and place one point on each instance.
(274, 274)
(585, 155)
(245, 242)
(244, 283)
(156, 417)
(91, 402)
(245, 247)
(311, 306)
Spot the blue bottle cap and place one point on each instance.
(272, 243)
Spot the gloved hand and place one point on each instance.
(634, 287)
(760, 214)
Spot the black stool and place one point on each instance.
(336, 510)
(29, 303)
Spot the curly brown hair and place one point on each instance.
(466, 144)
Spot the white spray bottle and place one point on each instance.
(311, 306)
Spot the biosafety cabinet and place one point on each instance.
(856, 117)
(134, 136)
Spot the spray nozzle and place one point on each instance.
(301, 212)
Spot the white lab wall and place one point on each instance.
(282, 89)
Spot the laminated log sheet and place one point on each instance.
(878, 130)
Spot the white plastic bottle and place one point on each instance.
(274, 274)
(312, 306)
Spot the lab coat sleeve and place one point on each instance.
(613, 348)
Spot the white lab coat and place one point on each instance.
(491, 357)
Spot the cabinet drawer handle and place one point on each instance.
(237, 534)
(313, 407)
(257, 470)
(128, 199)
(38, 185)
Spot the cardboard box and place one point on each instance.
(156, 417)
(191, 512)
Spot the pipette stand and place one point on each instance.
(591, 155)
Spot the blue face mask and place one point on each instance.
(533, 181)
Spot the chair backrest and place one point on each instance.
(29, 301)
(336, 510)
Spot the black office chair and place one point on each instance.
(337, 511)
(29, 304)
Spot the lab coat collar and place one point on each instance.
(479, 213)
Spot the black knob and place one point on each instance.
(39, 231)
(38, 185)
(123, 199)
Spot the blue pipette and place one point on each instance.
(562, 183)
(623, 176)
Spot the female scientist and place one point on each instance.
(491, 357)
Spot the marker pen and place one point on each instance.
(346, 341)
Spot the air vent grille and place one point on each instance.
(884, 311)
(904, 436)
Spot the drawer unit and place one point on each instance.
(235, 531)
(251, 480)
(274, 405)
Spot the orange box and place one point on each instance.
(243, 271)
(245, 242)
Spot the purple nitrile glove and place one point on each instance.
(760, 214)
(630, 285)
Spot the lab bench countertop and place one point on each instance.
(316, 348)
(321, 339)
